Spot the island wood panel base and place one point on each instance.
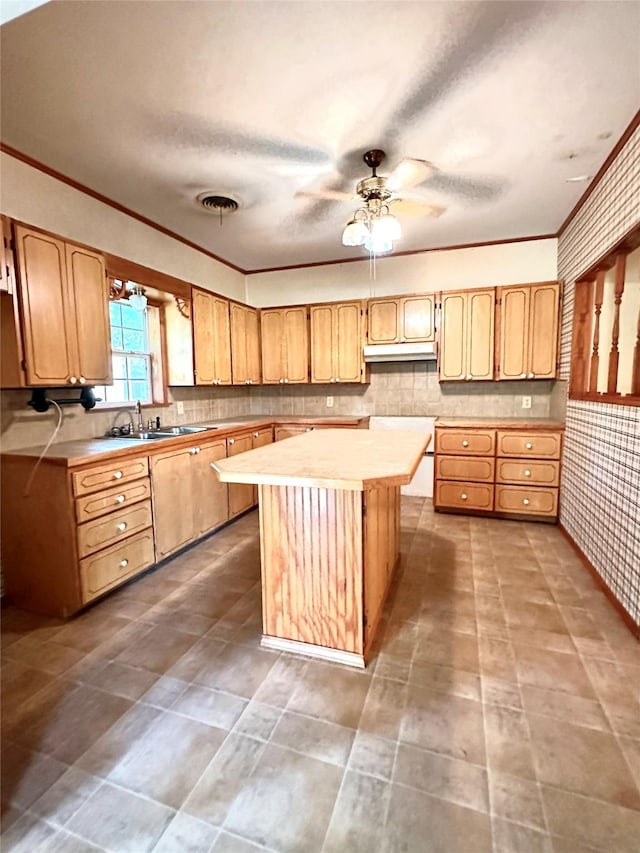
(328, 557)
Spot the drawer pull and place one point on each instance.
(526, 501)
(465, 443)
(120, 499)
(124, 564)
(527, 473)
(122, 525)
(309, 429)
(256, 434)
(529, 446)
(195, 450)
(117, 475)
(463, 496)
(232, 441)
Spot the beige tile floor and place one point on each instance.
(499, 713)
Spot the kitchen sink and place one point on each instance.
(185, 430)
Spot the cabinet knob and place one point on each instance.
(309, 429)
(337, 379)
(256, 434)
(82, 380)
(124, 564)
(531, 375)
(462, 376)
(523, 376)
(194, 450)
(463, 496)
(232, 441)
(469, 376)
(281, 381)
(529, 446)
(120, 499)
(246, 381)
(285, 381)
(526, 501)
(122, 525)
(73, 380)
(527, 473)
(117, 475)
(332, 379)
(465, 443)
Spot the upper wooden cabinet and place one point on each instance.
(401, 319)
(7, 270)
(529, 331)
(285, 345)
(245, 345)
(337, 336)
(211, 339)
(467, 335)
(63, 336)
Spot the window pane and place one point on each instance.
(114, 313)
(116, 337)
(119, 367)
(131, 318)
(137, 368)
(133, 341)
(117, 392)
(139, 391)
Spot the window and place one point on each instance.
(605, 363)
(131, 356)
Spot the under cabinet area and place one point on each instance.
(509, 470)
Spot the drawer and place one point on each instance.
(116, 473)
(464, 495)
(528, 472)
(93, 506)
(109, 568)
(461, 468)
(538, 445)
(465, 442)
(113, 528)
(532, 501)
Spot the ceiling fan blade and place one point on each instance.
(470, 189)
(327, 195)
(414, 207)
(409, 173)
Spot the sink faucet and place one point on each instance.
(139, 414)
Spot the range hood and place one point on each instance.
(400, 352)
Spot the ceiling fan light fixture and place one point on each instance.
(355, 233)
(387, 227)
(137, 298)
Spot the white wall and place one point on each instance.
(484, 266)
(42, 201)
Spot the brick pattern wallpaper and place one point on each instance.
(600, 490)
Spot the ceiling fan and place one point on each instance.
(373, 225)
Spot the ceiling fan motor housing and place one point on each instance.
(373, 188)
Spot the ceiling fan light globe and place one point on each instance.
(387, 228)
(137, 299)
(355, 233)
(377, 245)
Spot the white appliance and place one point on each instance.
(422, 483)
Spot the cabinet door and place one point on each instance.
(348, 342)
(172, 482)
(48, 315)
(7, 270)
(544, 307)
(222, 341)
(322, 343)
(210, 496)
(239, 345)
(384, 321)
(418, 319)
(453, 336)
(88, 282)
(282, 432)
(480, 337)
(272, 325)
(203, 337)
(260, 438)
(296, 344)
(252, 331)
(240, 494)
(514, 332)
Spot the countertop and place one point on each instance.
(103, 449)
(500, 423)
(352, 460)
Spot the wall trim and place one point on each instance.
(59, 176)
(624, 615)
(617, 148)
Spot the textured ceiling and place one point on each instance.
(151, 103)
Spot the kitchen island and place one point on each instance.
(329, 534)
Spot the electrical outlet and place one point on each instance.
(330, 402)
(180, 407)
(526, 402)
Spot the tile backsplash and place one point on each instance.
(405, 388)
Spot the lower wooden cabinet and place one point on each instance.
(241, 495)
(112, 566)
(517, 475)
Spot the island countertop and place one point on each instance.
(351, 460)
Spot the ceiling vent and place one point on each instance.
(218, 204)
